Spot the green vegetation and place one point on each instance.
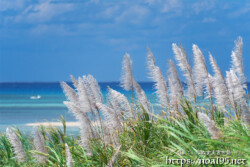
(143, 143)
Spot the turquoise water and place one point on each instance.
(18, 108)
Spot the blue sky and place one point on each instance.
(47, 40)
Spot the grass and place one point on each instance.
(144, 142)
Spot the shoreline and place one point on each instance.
(68, 124)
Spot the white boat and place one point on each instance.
(35, 97)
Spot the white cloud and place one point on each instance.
(203, 6)
(151, 2)
(121, 43)
(110, 12)
(171, 5)
(44, 11)
(95, 1)
(50, 29)
(224, 32)
(166, 5)
(244, 10)
(11, 5)
(209, 20)
(135, 14)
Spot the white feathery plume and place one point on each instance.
(69, 92)
(141, 96)
(95, 96)
(107, 134)
(39, 144)
(113, 108)
(200, 71)
(85, 125)
(120, 102)
(74, 80)
(84, 101)
(16, 145)
(81, 116)
(230, 88)
(68, 156)
(201, 76)
(111, 116)
(161, 87)
(209, 86)
(237, 67)
(237, 89)
(127, 75)
(214, 132)
(128, 82)
(89, 92)
(237, 61)
(237, 95)
(220, 88)
(86, 134)
(150, 61)
(245, 113)
(183, 63)
(112, 123)
(74, 109)
(239, 47)
(93, 88)
(160, 83)
(175, 86)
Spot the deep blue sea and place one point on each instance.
(17, 107)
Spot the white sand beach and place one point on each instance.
(68, 124)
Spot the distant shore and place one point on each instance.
(68, 124)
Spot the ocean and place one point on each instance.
(23, 103)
